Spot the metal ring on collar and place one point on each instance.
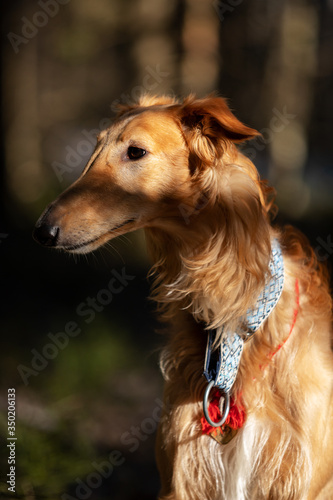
(226, 406)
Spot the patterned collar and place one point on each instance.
(221, 365)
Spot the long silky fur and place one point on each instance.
(208, 270)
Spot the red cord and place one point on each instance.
(272, 354)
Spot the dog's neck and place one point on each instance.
(212, 260)
(199, 271)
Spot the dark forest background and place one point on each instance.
(87, 410)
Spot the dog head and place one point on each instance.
(158, 156)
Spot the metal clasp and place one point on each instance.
(247, 332)
(226, 405)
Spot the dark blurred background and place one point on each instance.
(88, 405)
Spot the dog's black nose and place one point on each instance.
(46, 235)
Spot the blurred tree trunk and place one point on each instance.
(156, 51)
(268, 69)
(248, 36)
(23, 158)
(322, 110)
(200, 39)
(292, 90)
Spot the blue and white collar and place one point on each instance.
(221, 365)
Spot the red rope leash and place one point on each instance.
(296, 310)
(237, 413)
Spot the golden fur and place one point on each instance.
(206, 217)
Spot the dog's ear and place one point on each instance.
(209, 125)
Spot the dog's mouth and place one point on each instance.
(89, 245)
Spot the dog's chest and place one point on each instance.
(235, 463)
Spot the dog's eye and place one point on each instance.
(134, 153)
